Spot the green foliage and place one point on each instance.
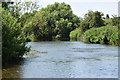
(29, 9)
(26, 24)
(89, 31)
(103, 35)
(92, 19)
(29, 6)
(5, 5)
(84, 25)
(54, 21)
(107, 16)
(108, 22)
(75, 34)
(13, 42)
(115, 20)
(39, 29)
(15, 9)
(18, 8)
(26, 18)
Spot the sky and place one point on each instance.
(81, 7)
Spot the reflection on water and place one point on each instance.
(65, 59)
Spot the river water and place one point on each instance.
(67, 59)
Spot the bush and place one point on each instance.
(103, 35)
(13, 41)
(75, 34)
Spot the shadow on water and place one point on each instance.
(13, 70)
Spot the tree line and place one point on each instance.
(53, 22)
(95, 28)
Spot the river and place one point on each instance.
(66, 59)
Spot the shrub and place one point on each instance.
(76, 34)
(103, 35)
(13, 41)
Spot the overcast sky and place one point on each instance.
(80, 7)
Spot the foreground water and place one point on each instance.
(65, 59)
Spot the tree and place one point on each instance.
(5, 5)
(39, 29)
(107, 16)
(19, 8)
(13, 41)
(29, 7)
(63, 27)
(115, 20)
(55, 21)
(92, 20)
(84, 25)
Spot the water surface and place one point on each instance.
(66, 59)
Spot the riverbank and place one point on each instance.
(102, 35)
